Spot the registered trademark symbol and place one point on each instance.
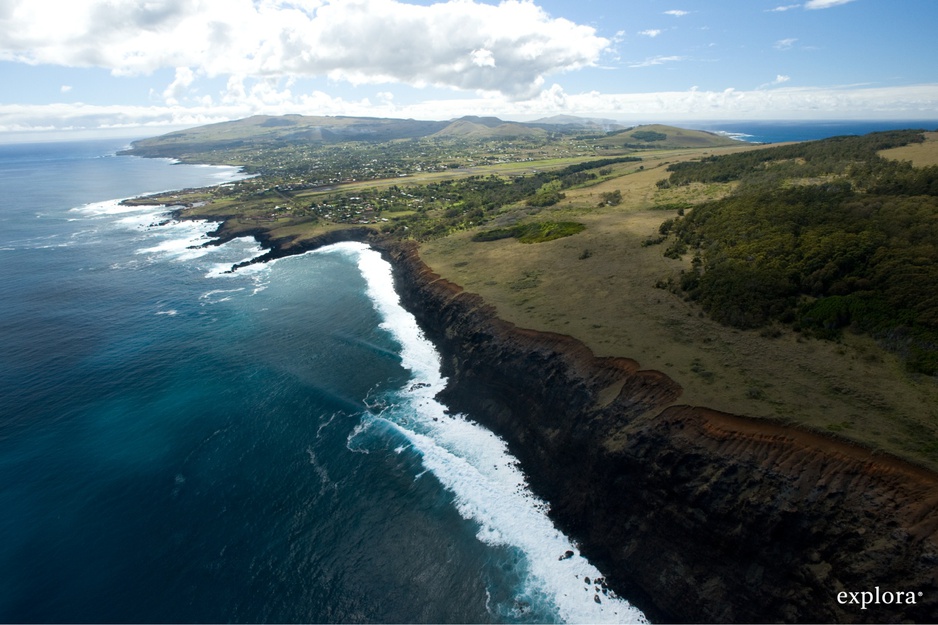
(920, 593)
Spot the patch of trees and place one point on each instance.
(453, 205)
(649, 136)
(773, 165)
(597, 163)
(856, 248)
(610, 198)
(548, 195)
(537, 232)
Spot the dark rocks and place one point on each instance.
(693, 515)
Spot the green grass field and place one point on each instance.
(600, 282)
(600, 286)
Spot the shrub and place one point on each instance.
(538, 232)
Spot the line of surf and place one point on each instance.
(162, 236)
(474, 464)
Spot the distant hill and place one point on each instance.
(262, 129)
(488, 127)
(266, 129)
(286, 128)
(579, 123)
(664, 137)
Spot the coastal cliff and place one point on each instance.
(693, 514)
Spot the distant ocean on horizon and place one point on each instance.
(182, 444)
(782, 131)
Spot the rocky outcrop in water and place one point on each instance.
(695, 515)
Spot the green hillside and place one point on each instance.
(265, 131)
(826, 236)
(269, 130)
(659, 136)
(470, 129)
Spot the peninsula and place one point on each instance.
(715, 360)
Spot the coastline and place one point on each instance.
(692, 514)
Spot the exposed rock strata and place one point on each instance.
(693, 514)
(696, 515)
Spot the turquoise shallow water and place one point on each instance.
(181, 444)
(178, 444)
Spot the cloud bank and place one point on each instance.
(508, 48)
(912, 102)
(251, 54)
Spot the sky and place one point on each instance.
(148, 66)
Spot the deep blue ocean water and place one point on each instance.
(781, 131)
(180, 444)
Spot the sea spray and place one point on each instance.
(474, 464)
(200, 426)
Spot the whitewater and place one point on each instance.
(476, 466)
(182, 443)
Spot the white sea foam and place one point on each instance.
(113, 207)
(217, 296)
(737, 136)
(181, 240)
(165, 238)
(474, 464)
(237, 251)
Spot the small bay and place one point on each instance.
(178, 443)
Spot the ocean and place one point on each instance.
(781, 131)
(182, 444)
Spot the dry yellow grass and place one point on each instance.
(920, 154)
(599, 286)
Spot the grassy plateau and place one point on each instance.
(590, 233)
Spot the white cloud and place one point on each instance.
(651, 32)
(65, 88)
(824, 4)
(913, 102)
(454, 44)
(483, 58)
(677, 13)
(785, 44)
(779, 79)
(656, 60)
(234, 90)
(184, 78)
(779, 9)
(855, 102)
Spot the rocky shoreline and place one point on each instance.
(693, 514)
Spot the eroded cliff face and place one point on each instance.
(694, 515)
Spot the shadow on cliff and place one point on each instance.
(693, 514)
